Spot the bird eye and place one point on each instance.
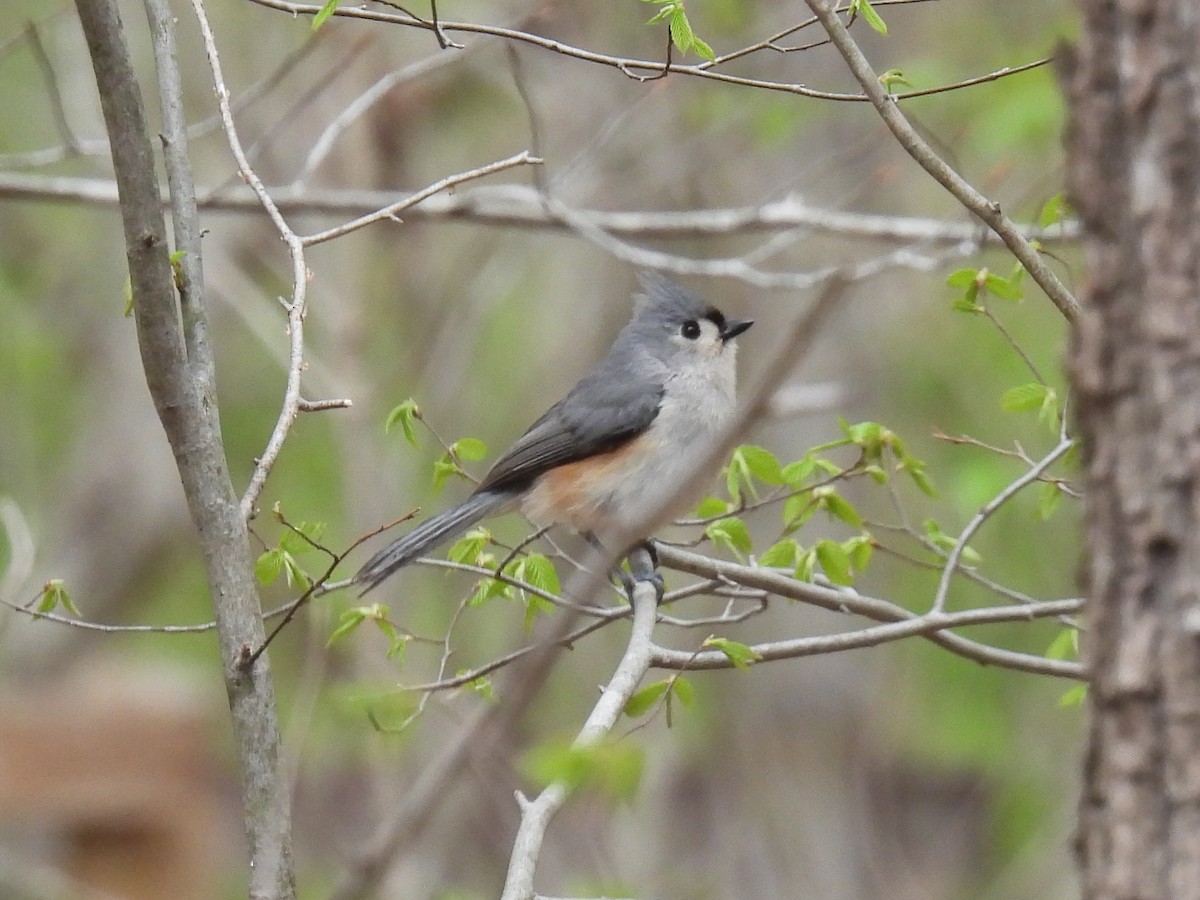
(690, 329)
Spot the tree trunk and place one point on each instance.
(1133, 174)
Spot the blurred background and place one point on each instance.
(899, 771)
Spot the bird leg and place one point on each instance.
(643, 566)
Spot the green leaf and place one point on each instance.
(1073, 696)
(837, 506)
(54, 594)
(741, 655)
(682, 35)
(835, 562)
(860, 549)
(470, 449)
(1053, 212)
(351, 619)
(614, 768)
(536, 571)
(1003, 287)
(293, 571)
(1025, 397)
(487, 588)
(703, 49)
(922, 480)
(933, 531)
(892, 78)
(760, 463)
(1048, 500)
(540, 572)
(1065, 645)
(324, 13)
(731, 533)
(796, 473)
(176, 259)
(296, 543)
(797, 510)
(268, 566)
(1048, 415)
(963, 278)
(483, 687)
(682, 688)
(864, 8)
(681, 29)
(963, 304)
(876, 474)
(443, 469)
(710, 507)
(806, 566)
(781, 555)
(376, 612)
(470, 546)
(641, 702)
(828, 466)
(868, 435)
(397, 642)
(405, 415)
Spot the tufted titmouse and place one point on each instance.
(612, 450)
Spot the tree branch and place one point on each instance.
(628, 66)
(536, 813)
(841, 600)
(519, 206)
(192, 425)
(960, 545)
(295, 307)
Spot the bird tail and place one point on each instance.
(428, 535)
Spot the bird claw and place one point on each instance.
(643, 567)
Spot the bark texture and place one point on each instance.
(1133, 174)
(178, 367)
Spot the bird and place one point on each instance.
(612, 451)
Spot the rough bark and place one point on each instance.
(1133, 174)
(178, 371)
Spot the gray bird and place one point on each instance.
(613, 449)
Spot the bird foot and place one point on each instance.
(643, 566)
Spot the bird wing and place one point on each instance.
(605, 410)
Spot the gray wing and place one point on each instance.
(609, 407)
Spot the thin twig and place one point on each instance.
(960, 545)
(524, 158)
(295, 306)
(841, 600)
(627, 66)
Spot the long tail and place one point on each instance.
(428, 535)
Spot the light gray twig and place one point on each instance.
(536, 813)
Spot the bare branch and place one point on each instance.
(295, 307)
(57, 110)
(848, 601)
(1028, 478)
(519, 206)
(536, 813)
(389, 212)
(362, 103)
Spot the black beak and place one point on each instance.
(734, 327)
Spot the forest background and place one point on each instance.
(899, 768)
